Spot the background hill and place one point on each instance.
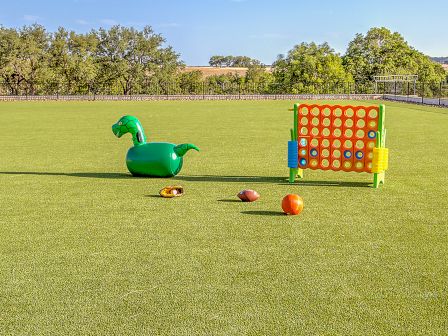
(442, 60)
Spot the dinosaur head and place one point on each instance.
(121, 126)
(129, 124)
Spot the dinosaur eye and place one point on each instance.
(120, 123)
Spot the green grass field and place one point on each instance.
(86, 249)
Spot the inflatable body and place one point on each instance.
(158, 159)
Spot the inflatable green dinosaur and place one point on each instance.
(159, 159)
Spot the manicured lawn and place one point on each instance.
(86, 249)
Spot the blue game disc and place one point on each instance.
(314, 152)
(359, 155)
(347, 154)
(303, 162)
(303, 142)
(371, 134)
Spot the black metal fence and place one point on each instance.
(428, 93)
(200, 88)
(419, 89)
(435, 92)
(259, 88)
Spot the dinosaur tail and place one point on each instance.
(181, 149)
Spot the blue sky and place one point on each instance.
(198, 29)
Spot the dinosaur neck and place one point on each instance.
(138, 134)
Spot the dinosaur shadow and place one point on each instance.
(87, 175)
(280, 180)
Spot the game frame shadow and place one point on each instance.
(280, 180)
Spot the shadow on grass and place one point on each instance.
(344, 184)
(263, 213)
(280, 180)
(88, 175)
(229, 200)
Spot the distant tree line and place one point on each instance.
(124, 60)
(118, 60)
(232, 61)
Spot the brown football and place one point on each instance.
(248, 195)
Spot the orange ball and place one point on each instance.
(292, 204)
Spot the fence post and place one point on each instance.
(423, 90)
(440, 92)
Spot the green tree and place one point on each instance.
(232, 61)
(83, 49)
(258, 78)
(9, 49)
(129, 58)
(190, 82)
(59, 61)
(243, 61)
(310, 68)
(24, 59)
(32, 57)
(216, 61)
(224, 84)
(72, 62)
(382, 52)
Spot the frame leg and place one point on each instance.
(292, 175)
(378, 178)
(295, 172)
